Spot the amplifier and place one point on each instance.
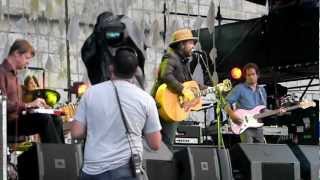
(158, 164)
(188, 134)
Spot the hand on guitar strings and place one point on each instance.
(187, 94)
(236, 119)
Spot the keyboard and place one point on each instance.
(43, 111)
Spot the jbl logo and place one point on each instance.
(204, 166)
(59, 163)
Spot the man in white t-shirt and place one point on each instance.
(98, 119)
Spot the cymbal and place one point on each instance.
(51, 97)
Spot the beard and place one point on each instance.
(188, 53)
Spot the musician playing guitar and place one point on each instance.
(247, 96)
(174, 71)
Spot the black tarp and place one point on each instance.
(285, 44)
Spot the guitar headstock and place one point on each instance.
(304, 104)
(225, 86)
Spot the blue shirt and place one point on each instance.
(246, 98)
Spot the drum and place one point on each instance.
(50, 96)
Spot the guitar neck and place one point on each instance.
(273, 112)
(204, 92)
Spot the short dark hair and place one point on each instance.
(125, 62)
(22, 46)
(250, 66)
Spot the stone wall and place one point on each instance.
(43, 23)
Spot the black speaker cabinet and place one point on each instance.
(225, 164)
(265, 162)
(309, 157)
(160, 169)
(197, 163)
(50, 162)
(158, 165)
(163, 153)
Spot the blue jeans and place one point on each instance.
(121, 173)
(169, 131)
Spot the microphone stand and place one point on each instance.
(218, 93)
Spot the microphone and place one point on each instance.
(35, 68)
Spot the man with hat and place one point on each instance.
(174, 70)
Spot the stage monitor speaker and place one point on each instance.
(225, 164)
(163, 153)
(309, 157)
(265, 162)
(50, 162)
(160, 169)
(158, 164)
(197, 163)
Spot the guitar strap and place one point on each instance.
(261, 95)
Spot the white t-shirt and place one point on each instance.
(107, 146)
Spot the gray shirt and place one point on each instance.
(107, 144)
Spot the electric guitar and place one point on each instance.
(251, 117)
(174, 108)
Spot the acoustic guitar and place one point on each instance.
(174, 108)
